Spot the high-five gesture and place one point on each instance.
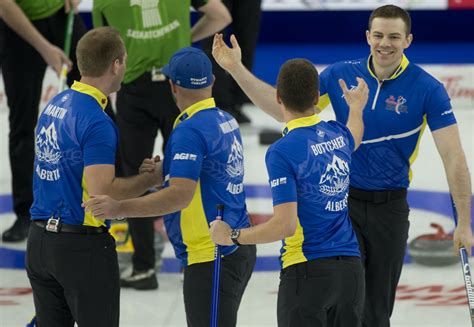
(227, 58)
(357, 97)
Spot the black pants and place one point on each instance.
(236, 270)
(23, 70)
(321, 292)
(74, 277)
(143, 108)
(380, 220)
(245, 25)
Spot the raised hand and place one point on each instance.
(227, 58)
(357, 97)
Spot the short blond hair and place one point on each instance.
(98, 49)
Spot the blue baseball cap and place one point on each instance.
(189, 68)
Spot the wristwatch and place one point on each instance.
(234, 235)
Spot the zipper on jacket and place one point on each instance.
(377, 93)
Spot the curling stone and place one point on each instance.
(435, 250)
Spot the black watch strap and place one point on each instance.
(234, 235)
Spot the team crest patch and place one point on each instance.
(335, 179)
(396, 104)
(235, 161)
(47, 148)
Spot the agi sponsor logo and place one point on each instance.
(278, 181)
(185, 156)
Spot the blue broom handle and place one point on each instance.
(217, 273)
(465, 269)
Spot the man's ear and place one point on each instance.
(409, 40)
(116, 66)
(172, 85)
(278, 98)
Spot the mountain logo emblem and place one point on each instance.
(335, 179)
(46, 145)
(235, 161)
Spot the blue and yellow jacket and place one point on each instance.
(205, 146)
(310, 166)
(73, 132)
(395, 117)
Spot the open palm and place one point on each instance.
(227, 58)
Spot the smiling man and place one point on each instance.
(403, 99)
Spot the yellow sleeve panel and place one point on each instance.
(323, 102)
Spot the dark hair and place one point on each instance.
(298, 84)
(391, 11)
(98, 49)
